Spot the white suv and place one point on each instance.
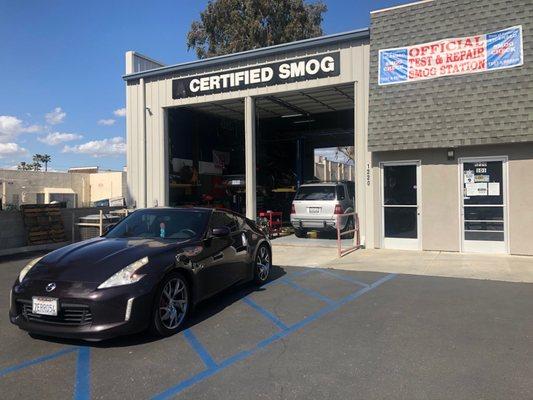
(316, 206)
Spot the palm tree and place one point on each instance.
(36, 166)
(39, 159)
(46, 158)
(23, 166)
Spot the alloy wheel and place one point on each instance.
(263, 263)
(173, 303)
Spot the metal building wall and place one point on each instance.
(147, 98)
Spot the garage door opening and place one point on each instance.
(206, 156)
(301, 136)
(304, 136)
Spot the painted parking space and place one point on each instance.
(309, 334)
(219, 336)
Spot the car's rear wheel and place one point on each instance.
(300, 233)
(349, 227)
(171, 305)
(262, 264)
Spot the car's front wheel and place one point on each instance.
(262, 264)
(171, 305)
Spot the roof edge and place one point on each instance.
(357, 34)
(400, 6)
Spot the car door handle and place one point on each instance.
(218, 256)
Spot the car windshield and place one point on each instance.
(162, 224)
(316, 193)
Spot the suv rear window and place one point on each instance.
(315, 193)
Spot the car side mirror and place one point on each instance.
(220, 231)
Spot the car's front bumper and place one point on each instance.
(106, 316)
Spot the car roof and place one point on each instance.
(185, 208)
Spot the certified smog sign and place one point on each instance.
(456, 56)
(296, 70)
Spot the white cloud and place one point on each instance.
(11, 149)
(121, 112)
(11, 126)
(57, 137)
(107, 122)
(56, 116)
(99, 148)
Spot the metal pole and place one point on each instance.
(249, 147)
(338, 235)
(101, 225)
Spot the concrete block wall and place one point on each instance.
(13, 232)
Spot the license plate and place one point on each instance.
(314, 210)
(44, 306)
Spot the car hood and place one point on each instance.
(95, 260)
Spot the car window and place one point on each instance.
(239, 220)
(351, 190)
(341, 195)
(315, 193)
(163, 224)
(221, 218)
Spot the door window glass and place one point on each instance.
(483, 183)
(399, 185)
(401, 222)
(483, 201)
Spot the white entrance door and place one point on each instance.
(484, 204)
(400, 202)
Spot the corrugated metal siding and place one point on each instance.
(491, 107)
(141, 63)
(159, 96)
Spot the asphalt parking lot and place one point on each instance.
(308, 334)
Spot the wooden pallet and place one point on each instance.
(43, 223)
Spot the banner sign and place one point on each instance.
(456, 56)
(300, 69)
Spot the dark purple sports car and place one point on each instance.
(146, 272)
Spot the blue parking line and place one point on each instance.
(82, 390)
(278, 281)
(200, 349)
(309, 292)
(175, 390)
(343, 277)
(265, 313)
(35, 361)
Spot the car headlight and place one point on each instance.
(27, 268)
(126, 275)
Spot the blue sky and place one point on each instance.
(61, 63)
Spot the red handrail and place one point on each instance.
(355, 231)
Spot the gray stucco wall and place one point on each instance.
(482, 108)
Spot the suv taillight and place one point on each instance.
(293, 211)
(338, 209)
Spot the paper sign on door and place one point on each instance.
(476, 189)
(494, 188)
